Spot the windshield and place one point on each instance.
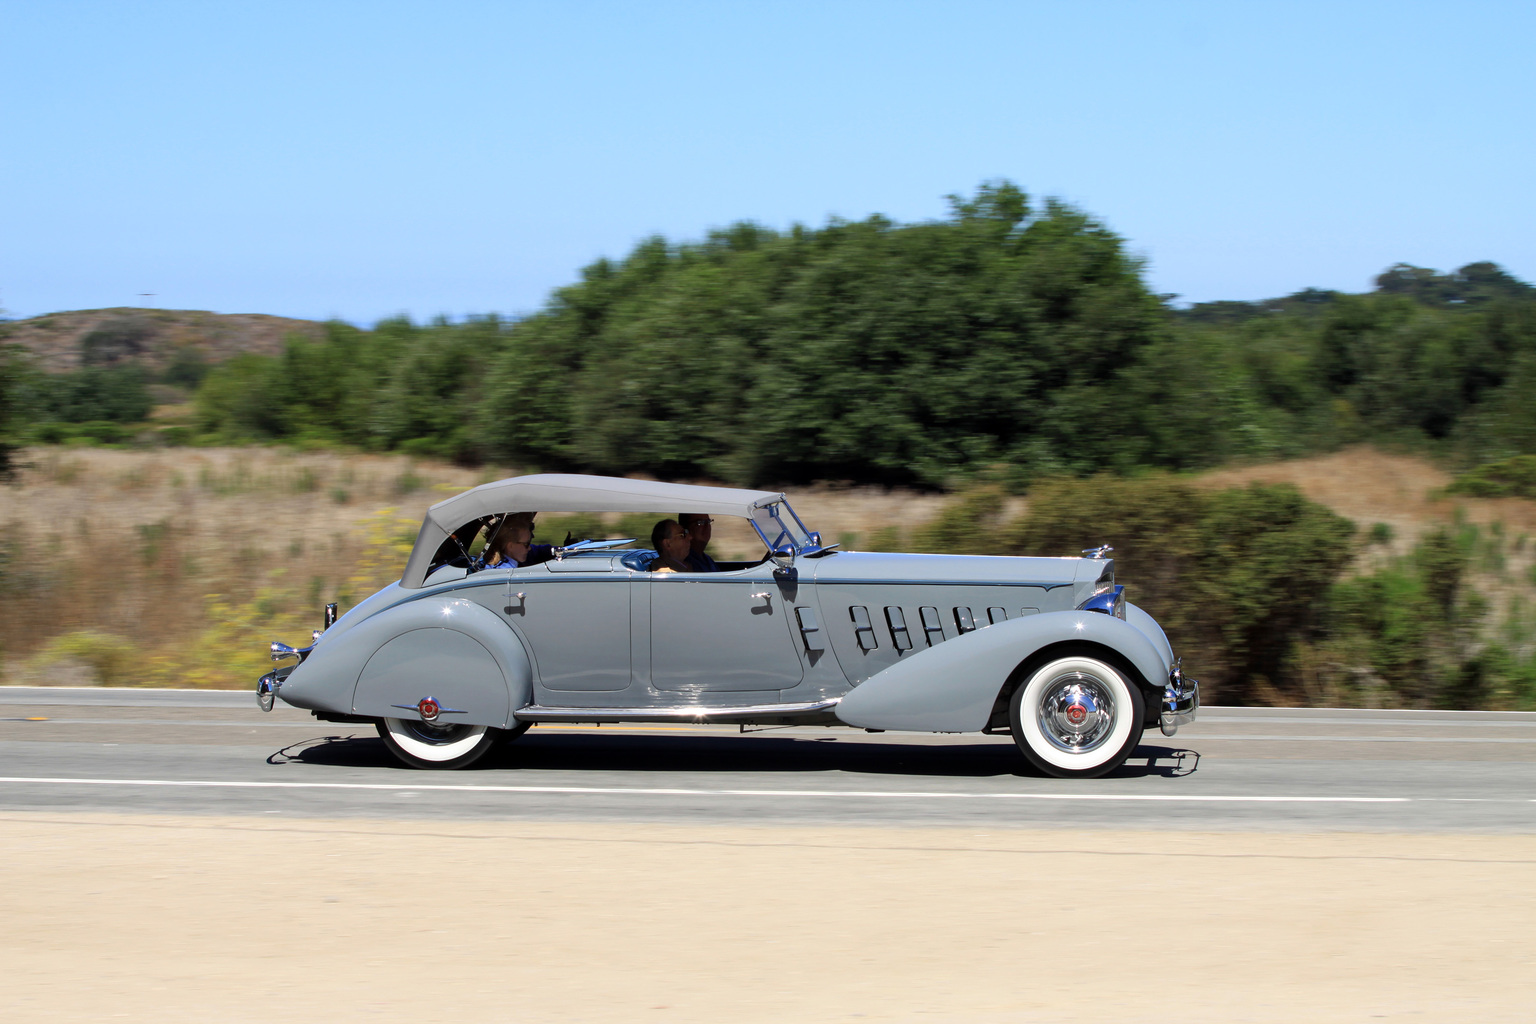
(782, 530)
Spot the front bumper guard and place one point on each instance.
(1181, 699)
(267, 687)
(266, 690)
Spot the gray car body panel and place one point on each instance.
(953, 687)
(903, 641)
(486, 674)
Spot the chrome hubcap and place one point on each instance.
(1076, 712)
(431, 732)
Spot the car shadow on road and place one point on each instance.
(750, 753)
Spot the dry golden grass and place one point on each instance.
(1370, 486)
(109, 547)
(174, 567)
(136, 567)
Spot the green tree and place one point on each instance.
(867, 351)
(12, 376)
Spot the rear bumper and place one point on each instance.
(1181, 699)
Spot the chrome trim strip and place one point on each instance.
(699, 714)
(711, 578)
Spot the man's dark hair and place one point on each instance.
(659, 532)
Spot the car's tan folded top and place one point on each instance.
(569, 492)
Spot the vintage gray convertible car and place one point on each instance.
(452, 659)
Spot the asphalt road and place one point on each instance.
(215, 753)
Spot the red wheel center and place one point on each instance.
(428, 708)
(1076, 714)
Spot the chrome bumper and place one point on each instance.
(266, 690)
(1181, 699)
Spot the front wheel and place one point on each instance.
(1077, 717)
(429, 745)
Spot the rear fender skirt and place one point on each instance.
(953, 687)
(452, 650)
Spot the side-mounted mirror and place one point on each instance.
(784, 565)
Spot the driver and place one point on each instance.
(671, 543)
(511, 544)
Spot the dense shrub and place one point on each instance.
(400, 386)
(1257, 590)
(116, 394)
(1507, 478)
(1237, 578)
(12, 374)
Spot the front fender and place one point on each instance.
(953, 687)
(1154, 632)
(443, 647)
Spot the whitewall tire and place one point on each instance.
(1077, 716)
(429, 745)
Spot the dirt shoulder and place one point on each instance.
(183, 919)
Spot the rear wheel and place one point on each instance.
(1077, 717)
(430, 745)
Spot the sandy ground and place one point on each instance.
(266, 496)
(167, 919)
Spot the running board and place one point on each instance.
(812, 713)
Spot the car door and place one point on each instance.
(575, 615)
(731, 632)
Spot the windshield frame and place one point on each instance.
(790, 536)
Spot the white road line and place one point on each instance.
(649, 791)
(1529, 722)
(1352, 739)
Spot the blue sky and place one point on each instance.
(361, 160)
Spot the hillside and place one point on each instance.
(60, 342)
